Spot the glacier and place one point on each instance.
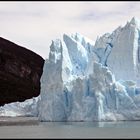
(83, 80)
(124, 55)
(27, 108)
(76, 86)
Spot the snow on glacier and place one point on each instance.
(83, 80)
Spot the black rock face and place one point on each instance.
(20, 72)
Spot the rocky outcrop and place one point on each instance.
(20, 72)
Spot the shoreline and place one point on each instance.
(28, 120)
(8, 121)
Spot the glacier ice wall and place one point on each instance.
(77, 85)
(27, 108)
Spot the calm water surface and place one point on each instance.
(123, 129)
(119, 124)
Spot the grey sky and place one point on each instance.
(34, 24)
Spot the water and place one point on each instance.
(124, 129)
(120, 124)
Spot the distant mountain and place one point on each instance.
(20, 72)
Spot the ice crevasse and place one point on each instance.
(84, 80)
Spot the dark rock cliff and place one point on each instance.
(20, 72)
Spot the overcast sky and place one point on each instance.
(34, 24)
